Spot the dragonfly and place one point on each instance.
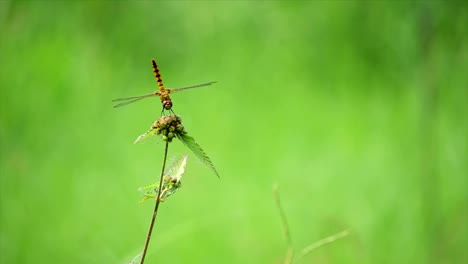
(162, 92)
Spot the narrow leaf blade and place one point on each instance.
(145, 136)
(197, 150)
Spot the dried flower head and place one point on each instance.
(169, 127)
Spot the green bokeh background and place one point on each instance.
(358, 110)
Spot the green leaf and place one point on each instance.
(171, 181)
(145, 136)
(136, 259)
(149, 191)
(177, 169)
(197, 150)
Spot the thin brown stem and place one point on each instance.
(158, 200)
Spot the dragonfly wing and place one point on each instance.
(174, 90)
(129, 100)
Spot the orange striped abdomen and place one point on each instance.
(157, 75)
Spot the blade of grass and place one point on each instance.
(290, 253)
(323, 242)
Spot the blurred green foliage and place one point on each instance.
(357, 109)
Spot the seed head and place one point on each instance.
(169, 127)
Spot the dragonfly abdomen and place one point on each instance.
(157, 75)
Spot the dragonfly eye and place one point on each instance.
(167, 104)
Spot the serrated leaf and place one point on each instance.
(197, 150)
(145, 136)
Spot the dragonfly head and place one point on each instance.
(167, 104)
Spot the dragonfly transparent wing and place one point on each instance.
(129, 100)
(174, 90)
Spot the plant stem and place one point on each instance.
(156, 206)
(322, 242)
(290, 253)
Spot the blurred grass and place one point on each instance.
(357, 110)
